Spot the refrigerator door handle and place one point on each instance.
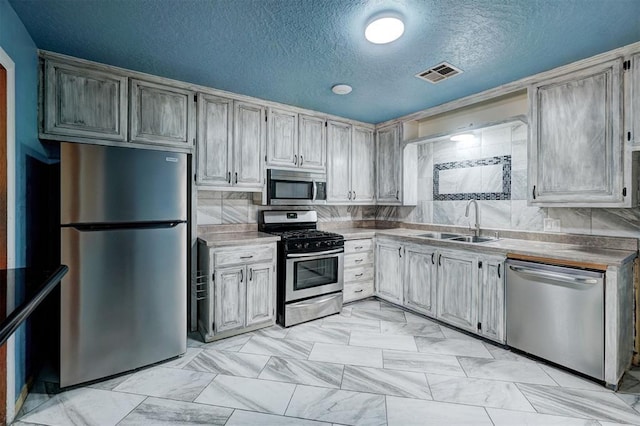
(91, 227)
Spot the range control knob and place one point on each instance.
(306, 245)
(298, 245)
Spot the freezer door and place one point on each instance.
(101, 184)
(123, 301)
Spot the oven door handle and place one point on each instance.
(305, 304)
(314, 254)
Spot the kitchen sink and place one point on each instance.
(473, 239)
(439, 236)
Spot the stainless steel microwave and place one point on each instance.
(293, 188)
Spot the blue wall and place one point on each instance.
(17, 43)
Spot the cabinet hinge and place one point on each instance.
(479, 264)
(624, 192)
(626, 65)
(479, 326)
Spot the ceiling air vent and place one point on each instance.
(439, 72)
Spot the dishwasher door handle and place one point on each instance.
(554, 275)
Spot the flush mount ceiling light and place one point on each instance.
(463, 137)
(341, 89)
(384, 30)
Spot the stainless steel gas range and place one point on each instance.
(310, 266)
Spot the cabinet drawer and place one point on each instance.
(358, 274)
(357, 290)
(358, 259)
(357, 246)
(235, 255)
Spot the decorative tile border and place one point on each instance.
(505, 160)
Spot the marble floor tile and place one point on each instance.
(303, 372)
(487, 393)
(230, 363)
(567, 380)
(631, 399)
(386, 382)
(411, 329)
(233, 344)
(505, 355)
(513, 371)
(275, 331)
(109, 384)
(38, 395)
(579, 403)
(337, 406)
(351, 324)
(367, 305)
(629, 384)
(317, 333)
(343, 354)
(156, 411)
(383, 341)
(249, 418)
(450, 333)
(518, 418)
(410, 412)
(247, 394)
(462, 347)
(425, 363)
(346, 311)
(277, 347)
(417, 318)
(166, 383)
(84, 406)
(185, 359)
(382, 315)
(194, 340)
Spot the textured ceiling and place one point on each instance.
(293, 51)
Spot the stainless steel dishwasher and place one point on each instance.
(557, 313)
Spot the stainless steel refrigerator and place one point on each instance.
(124, 238)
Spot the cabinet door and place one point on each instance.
(492, 313)
(249, 145)
(576, 146)
(388, 190)
(312, 143)
(338, 162)
(260, 293)
(229, 312)
(161, 114)
(419, 279)
(389, 271)
(458, 289)
(282, 140)
(363, 171)
(82, 102)
(634, 95)
(215, 139)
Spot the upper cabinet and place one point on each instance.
(82, 102)
(215, 140)
(389, 165)
(161, 114)
(249, 145)
(576, 150)
(295, 141)
(633, 65)
(350, 164)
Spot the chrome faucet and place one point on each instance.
(476, 231)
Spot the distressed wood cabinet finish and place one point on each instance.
(389, 165)
(492, 312)
(362, 164)
(229, 287)
(420, 278)
(249, 146)
(312, 143)
(82, 102)
(576, 145)
(358, 269)
(282, 140)
(458, 289)
(338, 162)
(389, 271)
(634, 97)
(215, 140)
(260, 288)
(161, 114)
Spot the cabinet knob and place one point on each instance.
(397, 194)
(400, 251)
(354, 195)
(229, 177)
(241, 275)
(295, 159)
(301, 160)
(534, 192)
(236, 177)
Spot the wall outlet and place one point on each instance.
(551, 225)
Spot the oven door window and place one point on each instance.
(286, 190)
(315, 273)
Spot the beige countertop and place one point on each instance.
(503, 246)
(221, 239)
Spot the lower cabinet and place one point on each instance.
(458, 287)
(241, 289)
(358, 269)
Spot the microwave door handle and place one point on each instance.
(314, 190)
